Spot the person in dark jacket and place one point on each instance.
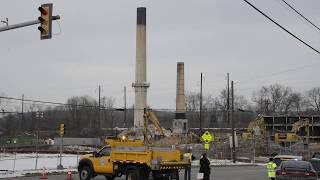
(205, 167)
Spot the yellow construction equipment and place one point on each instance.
(146, 132)
(256, 127)
(300, 131)
(133, 159)
(150, 115)
(123, 142)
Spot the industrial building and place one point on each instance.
(284, 123)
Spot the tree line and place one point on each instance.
(82, 115)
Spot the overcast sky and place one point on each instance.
(94, 43)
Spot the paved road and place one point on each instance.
(218, 173)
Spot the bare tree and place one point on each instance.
(73, 109)
(313, 99)
(272, 99)
(240, 102)
(108, 105)
(261, 99)
(297, 102)
(192, 101)
(83, 112)
(3, 102)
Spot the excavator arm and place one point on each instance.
(154, 119)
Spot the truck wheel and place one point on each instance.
(85, 173)
(177, 174)
(109, 177)
(143, 174)
(132, 175)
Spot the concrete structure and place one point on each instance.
(140, 85)
(284, 124)
(180, 96)
(180, 123)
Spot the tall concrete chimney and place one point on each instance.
(180, 123)
(180, 98)
(140, 84)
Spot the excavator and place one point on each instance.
(157, 136)
(256, 127)
(300, 132)
(148, 133)
(151, 116)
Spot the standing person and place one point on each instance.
(189, 157)
(205, 167)
(271, 169)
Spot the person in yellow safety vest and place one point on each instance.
(189, 157)
(271, 169)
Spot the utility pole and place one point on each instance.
(228, 99)
(232, 125)
(39, 115)
(125, 107)
(22, 104)
(201, 104)
(99, 107)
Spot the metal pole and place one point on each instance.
(232, 126)
(201, 104)
(228, 99)
(99, 106)
(145, 126)
(24, 24)
(37, 143)
(22, 103)
(60, 162)
(254, 149)
(125, 107)
(14, 161)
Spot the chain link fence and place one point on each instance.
(14, 163)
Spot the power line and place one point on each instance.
(317, 51)
(300, 14)
(295, 14)
(78, 105)
(277, 73)
(104, 108)
(56, 103)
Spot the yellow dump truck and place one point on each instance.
(132, 159)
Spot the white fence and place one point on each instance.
(24, 163)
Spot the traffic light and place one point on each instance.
(62, 129)
(45, 21)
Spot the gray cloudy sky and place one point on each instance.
(96, 45)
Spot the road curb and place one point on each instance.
(236, 165)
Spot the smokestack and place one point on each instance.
(180, 98)
(140, 84)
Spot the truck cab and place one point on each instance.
(98, 162)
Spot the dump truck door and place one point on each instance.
(102, 161)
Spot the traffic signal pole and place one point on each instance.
(24, 24)
(232, 125)
(60, 166)
(62, 132)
